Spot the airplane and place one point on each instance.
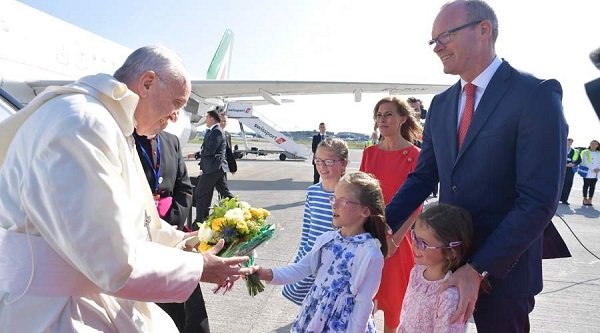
(33, 58)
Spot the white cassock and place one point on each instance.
(74, 250)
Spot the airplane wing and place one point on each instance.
(228, 89)
(25, 72)
(256, 101)
(233, 89)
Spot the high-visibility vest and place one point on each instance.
(588, 154)
(576, 155)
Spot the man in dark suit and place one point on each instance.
(572, 160)
(321, 136)
(417, 105)
(169, 181)
(231, 163)
(167, 176)
(223, 124)
(213, 164)
(494, 168)
(420, 113)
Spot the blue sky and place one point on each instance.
(348, 40)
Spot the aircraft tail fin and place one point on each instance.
(219, 66)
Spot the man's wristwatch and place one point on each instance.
(482, 273)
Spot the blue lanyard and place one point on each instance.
(156, 171)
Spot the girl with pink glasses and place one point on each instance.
(442, 238)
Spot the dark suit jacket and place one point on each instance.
(228, 139)
(315, 142)
(176, 182)
(212, 155)
(508, 173)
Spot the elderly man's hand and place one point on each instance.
(217, 269)
(191, 241)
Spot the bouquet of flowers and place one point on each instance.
(243, 228)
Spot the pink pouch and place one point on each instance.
(163, 206)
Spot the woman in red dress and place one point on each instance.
(390, 161)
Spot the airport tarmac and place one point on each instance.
(568, 303)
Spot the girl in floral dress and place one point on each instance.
(347, 262)
(442, 238)
(331, 160)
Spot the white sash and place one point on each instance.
(29, 264)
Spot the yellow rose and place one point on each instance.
(261, 213)
(204, 246)
(265, 212)
(256, 213)
(217, 224)
(242, 227)
(253, 226)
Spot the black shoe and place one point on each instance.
(566, 203)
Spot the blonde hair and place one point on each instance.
(338, 146)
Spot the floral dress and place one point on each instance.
(318, 219)
(425, 309)
(348, 271)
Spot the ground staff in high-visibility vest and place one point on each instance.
(589, 169)
(572, 161)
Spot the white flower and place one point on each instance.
(244, 205)
(236, 214)
(205, 233)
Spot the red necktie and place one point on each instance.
(467, 114)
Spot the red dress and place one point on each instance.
(391, 168)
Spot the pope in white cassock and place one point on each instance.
(81, 246)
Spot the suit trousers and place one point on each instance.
(207, 183)
(190, 316)
(501, 312)
(316, 175)
(567, 185)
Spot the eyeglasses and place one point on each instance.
(446, 37)
(341, 203)
(422, 246)
(319, 161)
